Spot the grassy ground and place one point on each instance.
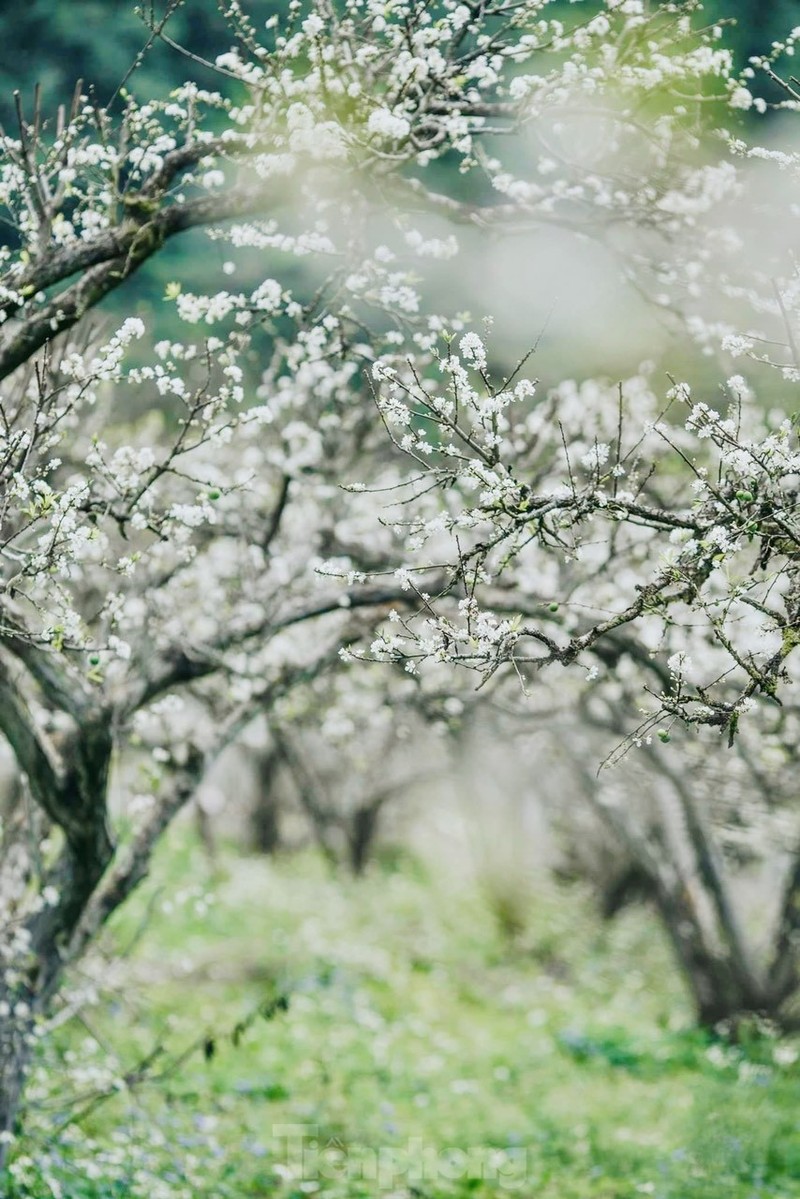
(412, 1051)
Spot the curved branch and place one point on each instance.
(112, 259)
(19, 729)
(63, 690)
(182, 667)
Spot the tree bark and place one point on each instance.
(718, 991)
(362, 832)
(16, 1049)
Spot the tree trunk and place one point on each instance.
(16, 1050)
(363, 827)
(38, 973)
(717, 988)
(265, 820)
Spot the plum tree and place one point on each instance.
(172, 508)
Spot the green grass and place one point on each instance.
(423, 1055)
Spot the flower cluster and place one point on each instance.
(597, 514)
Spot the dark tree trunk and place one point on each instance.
(16, 1049)
(718, 991)
(363, 829)
(78, 804)
(265, 821)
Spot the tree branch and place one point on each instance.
(59, 688)
(181, 667)
(19, 729)
(112, 259)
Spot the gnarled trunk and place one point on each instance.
(720, 990)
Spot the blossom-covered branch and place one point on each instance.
(611, 507)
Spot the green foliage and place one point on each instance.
(386, 1014)
(55, 44)
(756, 24)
